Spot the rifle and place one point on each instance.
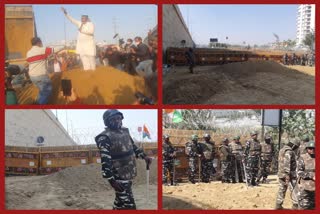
(245, 173)
(236, 169)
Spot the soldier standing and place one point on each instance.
(237, 153)
(302, 148)
(306, 178)
(207, 152)
(267, 152)
(225, 159)
(252, 153)
(287, 172)
(189, 54)
(192, 151)
(118, 157)
(168, 156)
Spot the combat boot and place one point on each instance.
(278, 207)
(264, 180)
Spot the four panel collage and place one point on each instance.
(95, 118)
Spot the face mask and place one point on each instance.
(115, 122)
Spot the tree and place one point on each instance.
(309, 40)
(297, 123)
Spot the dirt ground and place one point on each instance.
(251, 82)
(76, 188)
(105, 85)
(216, 195)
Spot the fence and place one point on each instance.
(46, 160)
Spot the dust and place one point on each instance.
(80, 187)
(217, 195)
(105, 85)
(251, 82)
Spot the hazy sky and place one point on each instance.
(254, 24)
(84, 125)
(131, 21)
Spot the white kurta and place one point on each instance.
(85, 43)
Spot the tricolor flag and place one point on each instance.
(145, 132)
(175, 115)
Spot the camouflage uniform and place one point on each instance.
(192, 151)
(267, 152)
(302, 148)
(225, 159)
(207, 151)
(236, 165)
(168, 152)
(252, 153)
(306, 183)
(118, 157)
(286, 173)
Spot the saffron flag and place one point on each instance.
(145, 132)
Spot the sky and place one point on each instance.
(253, 24)
(84, 125)
(131, 21)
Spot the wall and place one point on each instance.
(47, 160)
(174, 28)
(19, 30)
(22, 127)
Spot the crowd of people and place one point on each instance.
(133, 57)
(249, 164)
(304, 59)
(138, 58)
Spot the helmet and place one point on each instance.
(194, 137)
(267, 136)
(225, 140)
(305, 138)
(236, 138)
(206, 135)
(166, 136)
(295, 142)
(311, 144)
(110, 113)
(253, 133)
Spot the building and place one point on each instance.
(34, 127)
(20, 28)
(305, 21)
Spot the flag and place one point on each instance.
(175, 114)
(145, 132)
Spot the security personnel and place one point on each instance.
(306, 171)
(192, 152)
(287, 172)
(168, 156)
(118, 157)
(207, 152)
(302, 148)
(267, 152)
(237, 166)
(225, 160)
(252, 153)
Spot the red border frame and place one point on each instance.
(159, 106)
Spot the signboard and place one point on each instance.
(271, 117)
(213, 39)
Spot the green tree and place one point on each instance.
(309, 40)
(296, 123)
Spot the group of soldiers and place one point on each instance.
(305, 59)
(250, 164)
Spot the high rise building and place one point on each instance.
(305, 21)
